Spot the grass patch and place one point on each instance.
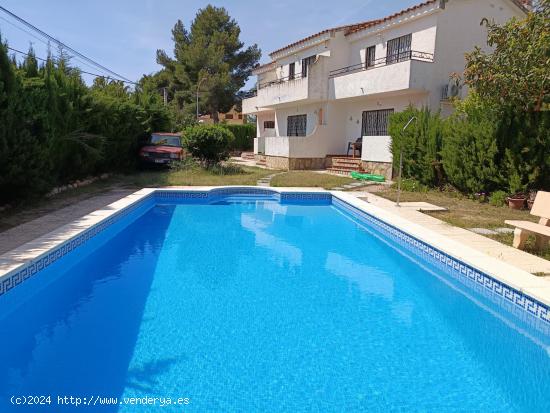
(467, 213)
(193, 175)
(309, 179)
(186, 174)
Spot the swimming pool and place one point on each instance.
(257, 301)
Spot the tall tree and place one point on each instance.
(209, 60)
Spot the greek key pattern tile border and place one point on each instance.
(32, 267)
(453, 266)
(456, 268)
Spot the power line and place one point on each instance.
(47, 43)
(61, 44)
(80, 70)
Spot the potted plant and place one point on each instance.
(517, 201)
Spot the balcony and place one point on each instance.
(290, 89)
(406, 71)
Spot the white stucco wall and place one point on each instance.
(447, 33)
(260, 119)
(377, 149)
(423, 32)
(408, 76)
(459, 31)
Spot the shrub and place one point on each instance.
(411, 185)
(209, 143)
(244, 136)
(55, 129)
(470, 154)
(498, 198)
(421, 144)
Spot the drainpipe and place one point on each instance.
(401, 164)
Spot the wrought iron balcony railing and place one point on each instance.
(384, 61)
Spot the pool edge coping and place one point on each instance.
(527, 284)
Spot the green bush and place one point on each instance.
(498, 198)
(421, 144)
(471, 156)
(55, 129)
(244, 136)
(209, 143)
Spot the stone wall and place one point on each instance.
(378, 168)
(293, 164)
(276, 162)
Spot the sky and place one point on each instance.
(123, 35)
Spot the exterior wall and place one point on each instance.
(423, 32)
(459, 31)
(354, 110)
(278, 162)
(378, 168)
(260, 119)
(334, 106)
(407, 76)
(312, 112)
(234, 118)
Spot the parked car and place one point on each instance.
(161, 149)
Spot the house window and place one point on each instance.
(399, 49)
(370, 57)
(375, 122)
(306, 63)
(269, 124)
(228, 116)
(296, 125)
(240, 115)
(291, 71)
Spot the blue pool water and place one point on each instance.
(263, 307)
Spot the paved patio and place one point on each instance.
(28, 231)
(412, 212)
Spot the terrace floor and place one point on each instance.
(412, 212)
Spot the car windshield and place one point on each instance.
(165, 140)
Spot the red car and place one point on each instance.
(162, 149)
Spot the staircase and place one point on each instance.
(260, 160)
(249, 156)
(343, 165)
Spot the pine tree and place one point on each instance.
(211, 57)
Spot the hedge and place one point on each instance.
(244, 136)
(479, 148)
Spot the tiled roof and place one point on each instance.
(352, 28)
(392, 16)
(333, 29)
(525, 5)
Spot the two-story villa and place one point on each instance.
(338, 85)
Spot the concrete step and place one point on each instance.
(248, 155)
(348, 168)
(340, 171)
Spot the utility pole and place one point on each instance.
(165, 96)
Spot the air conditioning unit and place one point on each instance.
(450, 90)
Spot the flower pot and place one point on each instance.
(516, 203)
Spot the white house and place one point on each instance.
(333, 87)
